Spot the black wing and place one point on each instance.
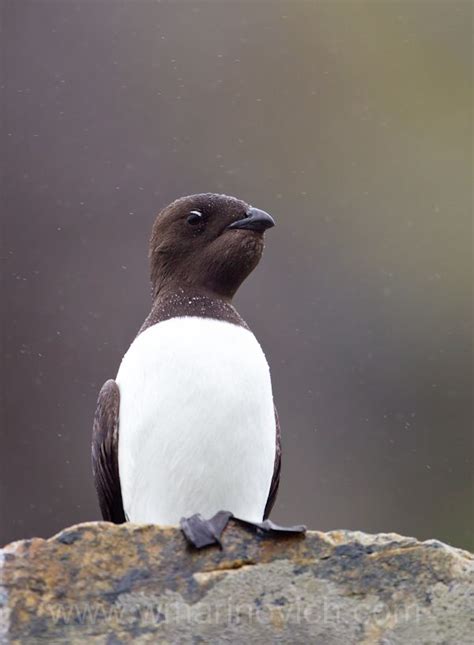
(105, 468)
(276, 471)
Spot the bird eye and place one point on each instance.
(194, 217)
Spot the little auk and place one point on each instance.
(187, 432)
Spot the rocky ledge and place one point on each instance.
(100, 583)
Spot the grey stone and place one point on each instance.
(100, 583)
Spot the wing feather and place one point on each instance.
(276, 470)
(105, 435)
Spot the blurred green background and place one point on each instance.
(350, 122)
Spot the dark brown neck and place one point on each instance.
(190, 301)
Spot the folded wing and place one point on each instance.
(276, 471)
(105, 435)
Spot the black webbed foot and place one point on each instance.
(201, 533)
(267, 526)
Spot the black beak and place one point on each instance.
(255, 220)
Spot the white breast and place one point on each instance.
(197, 424)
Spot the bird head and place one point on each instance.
(206, 242)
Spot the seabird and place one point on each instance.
(188, 429)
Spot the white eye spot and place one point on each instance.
(194, 217)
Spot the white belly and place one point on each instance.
(196, 424)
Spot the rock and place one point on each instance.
(100, 583)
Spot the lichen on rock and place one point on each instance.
(101, 583)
